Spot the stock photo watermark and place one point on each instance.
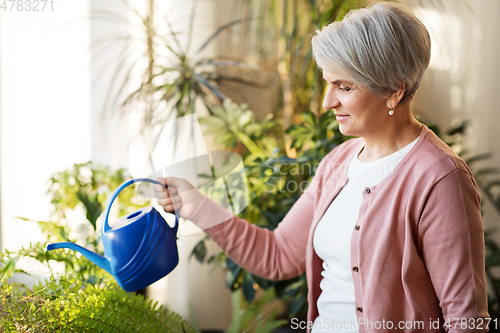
(219, 175)
(354, 324)
(289, 176)
(27, 5)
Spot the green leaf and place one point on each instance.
(261, 282)
(245, 118)
(92, 206)
(199, 251)
(297, 303)
(248, 289)
(232, 274)
(459, 129)
(493, 260)
(486, 171)
(478, 157)
(54, 230)
(253, 129)
(309, 118)
(212, 121)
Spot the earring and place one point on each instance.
(391, 112)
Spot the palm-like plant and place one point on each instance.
(157, 75)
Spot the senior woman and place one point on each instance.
(389, 231)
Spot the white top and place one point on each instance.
(332, 242)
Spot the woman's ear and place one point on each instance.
(395, 98)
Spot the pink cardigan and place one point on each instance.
(417, 250)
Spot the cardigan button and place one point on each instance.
(355, 269)
(367, 190)
(356, 227)
(359, 309)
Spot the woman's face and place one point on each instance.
(359, 112)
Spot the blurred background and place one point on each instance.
(81, 81)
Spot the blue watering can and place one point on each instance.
(138, 253)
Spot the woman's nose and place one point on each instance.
(331, 101)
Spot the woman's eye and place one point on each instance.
(345, 88)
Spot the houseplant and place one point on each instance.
(82, 298)
(70, 305)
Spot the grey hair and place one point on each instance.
(381, 47)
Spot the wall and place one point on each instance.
(44, 109)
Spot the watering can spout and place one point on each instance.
(94, 257)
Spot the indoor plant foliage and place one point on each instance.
(250, 317)
(275, 181)
(83, 298)
(167, 76)
(70, 305)
(84, 187)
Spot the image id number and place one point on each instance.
(27, 5)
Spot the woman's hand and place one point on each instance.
(178, 195)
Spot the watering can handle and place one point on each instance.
(105, 225)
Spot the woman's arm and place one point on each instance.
(274, 255)
(451, 236)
